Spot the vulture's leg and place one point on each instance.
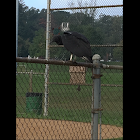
(73, 61)
(85, 58)
(71, 57)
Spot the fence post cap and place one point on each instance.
(96, 57)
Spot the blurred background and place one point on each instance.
(101, 26)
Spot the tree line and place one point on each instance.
(32, 31)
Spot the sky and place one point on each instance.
(40, 4)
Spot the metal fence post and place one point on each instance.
(47, 58)
(95, 97)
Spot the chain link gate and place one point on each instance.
(66, 111)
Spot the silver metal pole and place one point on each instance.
(100, 107)
(47, 58)
(95, 98)
(16, 31)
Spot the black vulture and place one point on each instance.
(76, 43)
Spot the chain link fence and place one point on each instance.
(101, 23)
(69, 102)
(69, 99)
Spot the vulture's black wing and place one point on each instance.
(77, 44)
(79, 36)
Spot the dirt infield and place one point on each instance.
(38, 129)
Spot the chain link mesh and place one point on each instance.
(69, 103)
(70, 92)
(102, 26)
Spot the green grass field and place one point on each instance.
(65, 101)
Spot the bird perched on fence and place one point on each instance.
(76, 43)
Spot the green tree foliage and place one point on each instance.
(118, 53)
(23, 46)
(37, 47)
(32, 26)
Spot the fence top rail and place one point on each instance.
(91, 45)
(104, 66)
(104, 6)
(68, 63)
